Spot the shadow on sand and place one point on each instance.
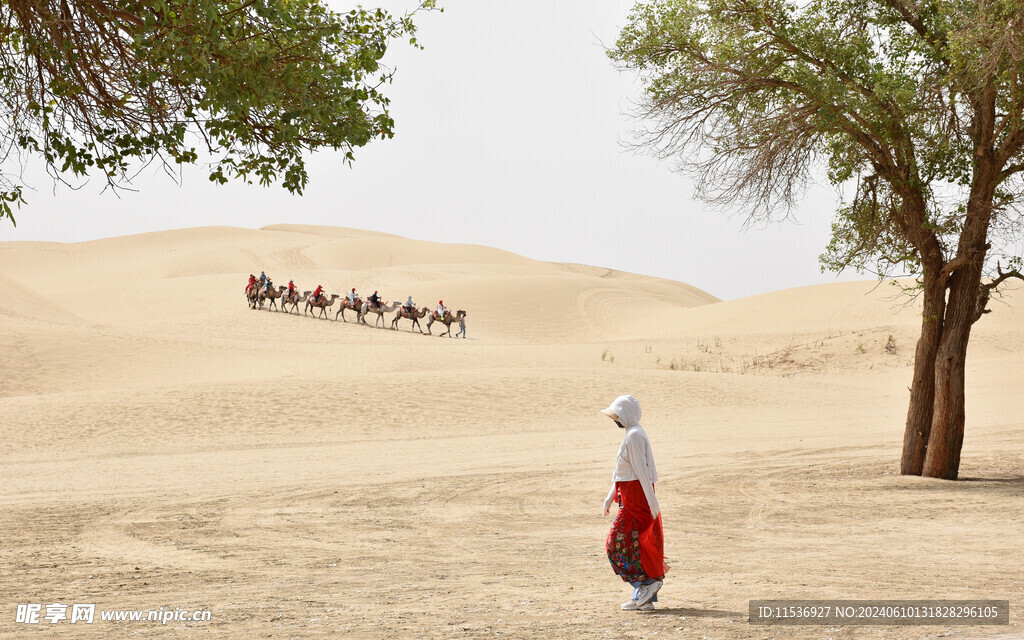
(995, 485)
(698, 613)
(1004, 485)
(1018, 480)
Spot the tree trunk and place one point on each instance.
(942, 458)
(946, 438)
(922, 389)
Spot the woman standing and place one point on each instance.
(636, 544)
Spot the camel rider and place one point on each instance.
(375, 300)
(409, 305)
(441, 310)
(316, 294)
(351, 295)
(266, 287)
(252, 283)
(263, 278)
(291, 289)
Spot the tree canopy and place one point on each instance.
(914, 109)
(100, 86)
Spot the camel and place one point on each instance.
(380, 311)
(352, 306)
(295, 300)
(273, 294)
(414, 316)
(252, 295)
(447, 321)
(322, 305)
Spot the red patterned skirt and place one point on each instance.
(636, 543)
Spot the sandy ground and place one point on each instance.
(300, 478)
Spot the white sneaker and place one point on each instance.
(646, 592)
(633, 606)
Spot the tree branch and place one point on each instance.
(1003, 276)
(987, 289)
(1011, 170)
(951, 266)
(938, 42)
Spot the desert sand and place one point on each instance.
(166, 446)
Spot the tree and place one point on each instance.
(913, 110)
(99, 86)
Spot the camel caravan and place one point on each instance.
(317, 303)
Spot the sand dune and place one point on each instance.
(196, 271)
(168, 446)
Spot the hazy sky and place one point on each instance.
(509, 130)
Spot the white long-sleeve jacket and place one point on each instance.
(635, 460)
